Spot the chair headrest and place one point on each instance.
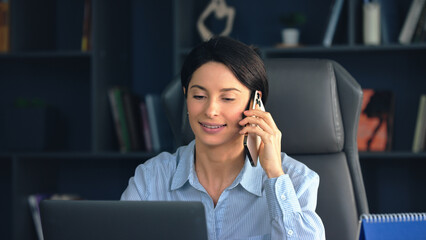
(176, 112)
(304, 103)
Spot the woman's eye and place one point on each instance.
(198, 97)
(228, 99)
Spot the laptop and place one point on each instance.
(85, 219)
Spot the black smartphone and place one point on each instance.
(251, 140)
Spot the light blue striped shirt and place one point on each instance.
(253, 207)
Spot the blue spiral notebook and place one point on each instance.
(399, 226)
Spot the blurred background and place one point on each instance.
(66, 67)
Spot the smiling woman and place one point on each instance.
(216, 100)
(275, 199)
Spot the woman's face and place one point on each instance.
(216, 101)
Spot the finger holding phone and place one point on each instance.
(260, 123)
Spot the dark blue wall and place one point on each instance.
(152, 45)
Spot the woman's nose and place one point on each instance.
(212, 109)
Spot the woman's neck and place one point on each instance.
(217, 167)
(219, 160)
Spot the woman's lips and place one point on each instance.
(212, 128)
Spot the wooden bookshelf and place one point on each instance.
(45, 63)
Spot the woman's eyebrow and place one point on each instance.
(222, 90)
(229, 89)
(198, 86)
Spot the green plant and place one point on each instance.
(294, 19)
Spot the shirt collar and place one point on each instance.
(185, 166)
(250, 178)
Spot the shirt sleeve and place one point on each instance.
(292, 209)
(138, 188)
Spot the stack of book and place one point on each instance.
(140, 125)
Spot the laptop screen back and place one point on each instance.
(128, 220)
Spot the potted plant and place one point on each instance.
(291, 32)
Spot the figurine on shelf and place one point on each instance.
(221, 10)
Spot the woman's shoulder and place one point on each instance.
(296, 168)
(164, 162)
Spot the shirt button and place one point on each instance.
(290, 232)
(283, 197)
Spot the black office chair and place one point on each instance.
(316, 105)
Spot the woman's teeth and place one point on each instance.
(212, 127)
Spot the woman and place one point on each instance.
(274, 200)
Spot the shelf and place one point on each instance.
(345, 48)
(269, 50)
(393, 155)
(45, 54)
(81, 155)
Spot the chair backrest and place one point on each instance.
(316, 105)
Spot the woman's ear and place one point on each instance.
(184, 91)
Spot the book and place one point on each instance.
(376, 121)
(4, 26)
(399, 226)
(119, 117)
(161, 134)
(421, 27)
(413, 15)
(34, 203)
(419, 141)
(116, 119)
(422, 37)
(146, 131)
(332, 22)
(390, 21)
(130, 102)
(86, 39)
(118, 94)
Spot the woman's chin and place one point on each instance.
(217, 141)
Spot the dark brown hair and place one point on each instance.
(243, 60)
